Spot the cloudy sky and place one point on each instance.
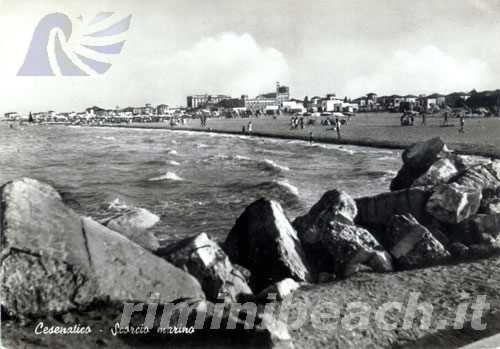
(179, 47)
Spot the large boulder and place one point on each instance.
(333, 205)
(478, 229)
(125, 270)
(481, 176)
(45, 263)
(342, 247)
(490, 204)
(207, 262)
(412, 245)
(264, 241)
(53, 261)
(440, 172)
(133, 224)
(375, 212)
(453, 203)
(417, 159)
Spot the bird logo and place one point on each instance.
(64, 47)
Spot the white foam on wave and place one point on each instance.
(118, 205)
(107, 138)
(172, 152)
(171, 176)
(174, 163)
(284, 183)
(173, 141)
(242, 157)
(273, 164)
(201, 145)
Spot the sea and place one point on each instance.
(196, 182)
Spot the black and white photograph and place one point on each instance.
(250, 174)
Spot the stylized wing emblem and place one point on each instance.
(54, 51)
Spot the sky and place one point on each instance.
(179, 47)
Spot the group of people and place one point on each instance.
(248, 129)
(203, 120)
(296, 122)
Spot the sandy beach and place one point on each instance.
(366, 129)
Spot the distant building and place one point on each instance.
(162, 109)
(12, 115)
(271, 100)
(201, 101)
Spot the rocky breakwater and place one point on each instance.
(441, 202)
(54, 260)
(56, 264)
(445, 209)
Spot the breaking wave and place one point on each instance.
(171, 176)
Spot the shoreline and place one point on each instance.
(371, 143)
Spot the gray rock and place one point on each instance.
(464, 162)
(333, 205)
(480, 228)
(343, 247)
(125, 270)
(45, 263)
(453, 203)
(458, 250)
(134, 224)
(481, 176)
(413, 245)
(375, 212)
(52, 261)
(440, 172)
(490, 204)
(421, 155)
(279, 290)
(264, 241)
(417, 159)
(207, 262)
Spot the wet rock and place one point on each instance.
(279, 290)
(264, 241)
(412, 245)
(440, 172)
(453, 203)
(375, 212)
(133, 224)
(45, 264)
(124, 270)
(209, 264)
(53, 261)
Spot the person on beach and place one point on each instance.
(243, 130)
(445, 121)
(423, 118)
(302, 123)
(310, 137)
(337, 126)
(462, 124)
(250, 127)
